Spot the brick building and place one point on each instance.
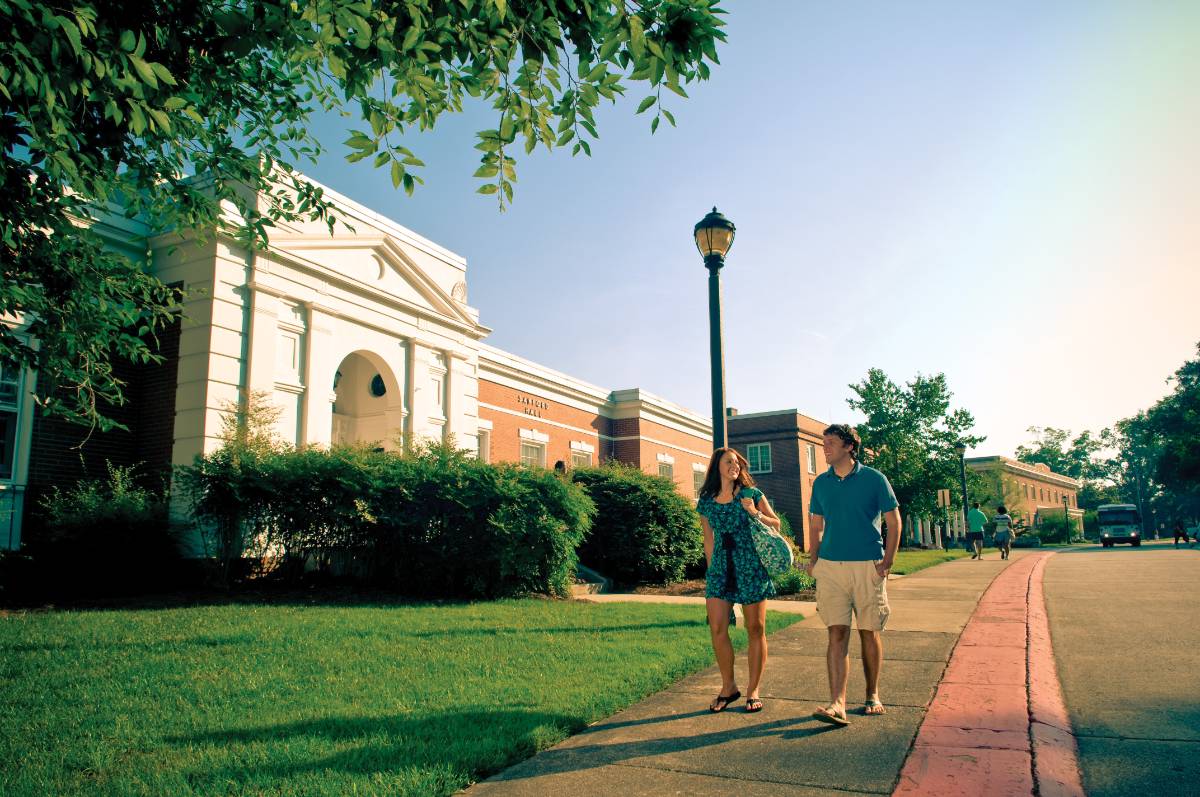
(1027, 489)
(361, 336)
(784, 450)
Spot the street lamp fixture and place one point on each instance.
(714, 238)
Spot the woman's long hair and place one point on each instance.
(712, 476)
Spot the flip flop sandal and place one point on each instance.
(870, 704)
(831, 718)
(753, 705)
(722, 702)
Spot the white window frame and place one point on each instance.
(751, 448)
(667, 470)
(539, 457)
(697, 481)
(581, 459)
(811, 452)
(483, 449)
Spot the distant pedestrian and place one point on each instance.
(1179, 532)
(735, 573)
(851, 562)
(976, 520)
(1004, 534)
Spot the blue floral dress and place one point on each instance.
(735, 573)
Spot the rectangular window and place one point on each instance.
(666, 470)
(581, 459)
(8, 442)
(533, 455)
(811, 451)
(697, 481)
(438, 384)
(485, 446)
(759, 456)
(10, 396)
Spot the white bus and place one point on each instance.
(1119, 523)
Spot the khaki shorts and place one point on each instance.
(851, 588)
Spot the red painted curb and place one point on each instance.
(998, 723)
(1055, 751)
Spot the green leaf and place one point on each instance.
(163, 73)
(410, 38)
(144, 71)
(654, 125)
(670, 116)
(397, 173)
(646, 103)
(487, 188)
(637, 36)
(128, 41)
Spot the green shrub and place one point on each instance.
(794, 581)
(644, 532)
(103, 536)
(434, 522)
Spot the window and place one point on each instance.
(697, 481)
(811, 451)
(437, 384)
(533, 454)
(581, 459)
(485, 445)
(666, 470)
(759, 457)
(10, 393)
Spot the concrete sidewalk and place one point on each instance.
(670, 744)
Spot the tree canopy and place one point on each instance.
(114, 104)
(910, 434)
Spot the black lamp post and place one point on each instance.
(961, 449)
(714, 237)
(1067, 514)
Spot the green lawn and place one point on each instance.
(908, 562)
(320, 700)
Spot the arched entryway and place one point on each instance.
(368, 404)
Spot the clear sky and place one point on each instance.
(1008, 193)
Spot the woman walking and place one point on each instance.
(728, 498)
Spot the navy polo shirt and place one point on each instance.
(853, 509)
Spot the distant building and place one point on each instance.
(785, 455)
(1027, 490)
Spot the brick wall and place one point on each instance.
(62, 453)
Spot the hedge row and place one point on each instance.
(438, 523)
(644, 530)
(435, 523)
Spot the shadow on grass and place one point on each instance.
(470, 744)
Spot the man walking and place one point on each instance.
(976, 520)
(851, 563)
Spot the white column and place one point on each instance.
(261, 329)
(316, 425)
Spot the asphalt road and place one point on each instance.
(1125, 624)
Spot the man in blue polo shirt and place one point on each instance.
(850, 562)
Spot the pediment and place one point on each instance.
(381, 265)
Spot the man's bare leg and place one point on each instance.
(872, 659)
(837, 661)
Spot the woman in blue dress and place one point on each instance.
(735, 574)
